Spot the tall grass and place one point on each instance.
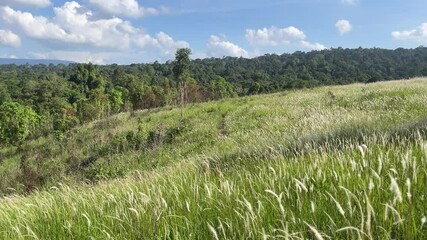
(291, 165)
(323, 193)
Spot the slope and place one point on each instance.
(340, 162)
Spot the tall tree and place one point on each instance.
(181, 67)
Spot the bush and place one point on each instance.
(17, 123)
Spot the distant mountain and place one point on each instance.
(20, 61)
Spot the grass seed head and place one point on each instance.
(394, 187)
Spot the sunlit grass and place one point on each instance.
(293, 165)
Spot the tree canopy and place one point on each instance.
(182, 63)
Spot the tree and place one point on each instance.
(180, 70)
(4, 95)
(222, 89)
(17, 122)
(91, 84)
(87, 78)
(115, 95)
(151, 98)
(134, 87)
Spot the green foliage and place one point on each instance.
(87, 77)
(181, 72)
(182, 63)
(87, 110)
(17, 123)
(4, 95)
(256, 167)
(343, 162)
(97, 172)
(127, 141)
(116, 100)
(222, 89)
(158, 137)
(132, 89)
(95, 92)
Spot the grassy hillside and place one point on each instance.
(332, 162)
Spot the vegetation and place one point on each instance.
(67, 96)
(181, 72)
(343, 162)
(16, 122)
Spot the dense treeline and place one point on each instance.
(60, 97)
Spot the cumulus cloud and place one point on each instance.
(168, 45)
(36, 27)
(32, 3)
(418, 34)
(274, 36)
(74, 26)
(110, 33)
(312, 46)
(349, 2)
(343, 26)
(127, 8)
(162, 43)
(8, 38)
(219, 47)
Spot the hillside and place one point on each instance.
(343, 162)
(67, 96)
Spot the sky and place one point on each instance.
(142, 31)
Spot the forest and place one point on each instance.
(42, 99)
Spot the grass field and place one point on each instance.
(345, 162)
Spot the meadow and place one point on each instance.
(341, 162)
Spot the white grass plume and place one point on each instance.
(315, 232)
(394, 187)
(338, 205)
(408, 185)
(213, 231)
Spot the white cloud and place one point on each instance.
(343, 26)
(162, 44)
(168, 45)
(32, 3)
(127, 8)
(312, 46)
(274, 36)
(74, 26)
(418, 34)
(110, 33)
(219, 47)
(8, 38)
(350, 2)
(36, 27)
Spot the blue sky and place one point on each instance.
(128, 31)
